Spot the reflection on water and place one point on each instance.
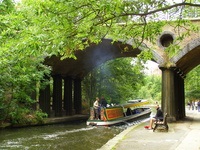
(76, 136)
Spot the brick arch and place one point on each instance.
(188, 57)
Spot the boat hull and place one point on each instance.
(121, 120)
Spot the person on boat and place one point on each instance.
(158, 116)
(103, 102)
(128, 112)
(96, 108)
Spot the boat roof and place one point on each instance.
(136, 100)
(135, 103)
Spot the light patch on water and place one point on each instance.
(55, 135)
(18, 143)
(11, 144)
(52, 136)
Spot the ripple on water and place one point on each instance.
(62, 137)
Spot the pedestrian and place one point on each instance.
(189, 105)
(193, 105)
(198, 106)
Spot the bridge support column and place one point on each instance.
(68, 95)
(44, 99)
(182, 95)
(57, 95)
(77, 96)
(168, 93)
(179, 96)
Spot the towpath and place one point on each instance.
(182, 135)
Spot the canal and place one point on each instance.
(73, 136)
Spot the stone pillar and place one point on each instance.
(77, 96)
(44, 99)
(68, 95)
(182, 97)
(168, 93)
(57, 95)
(177, 100)
(180, 94)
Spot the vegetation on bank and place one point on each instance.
(192, 85)
(32, 30)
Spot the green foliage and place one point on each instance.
(192, 12)
(2, 112)
(59, 29)
(21, 65)
(39, 116)
(18, 116)
(152, 88)
(145, 55)
(6, 6)
(120, 80)
(19, 111)
(55, 27)
(25, 116)
(117, 80)
(192, 84)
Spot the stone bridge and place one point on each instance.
(174, 70)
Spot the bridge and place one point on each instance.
(174, 70)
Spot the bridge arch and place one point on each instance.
(71, 71)
(188, 57)
(93, 56)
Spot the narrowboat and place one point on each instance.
(120, 114)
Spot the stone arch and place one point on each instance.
(188, 57)
(70, 72)
(93, 56)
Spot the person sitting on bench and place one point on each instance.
(158, 116)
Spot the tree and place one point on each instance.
(63, 25)
(192, 83)
(152, 88)
(35, 29)
(21, 66)
(6, 6)
(117, 80)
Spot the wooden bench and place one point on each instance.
(162, 125)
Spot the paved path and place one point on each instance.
(182, 135)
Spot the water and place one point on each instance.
(75, 136)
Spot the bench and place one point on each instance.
(162, 125)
